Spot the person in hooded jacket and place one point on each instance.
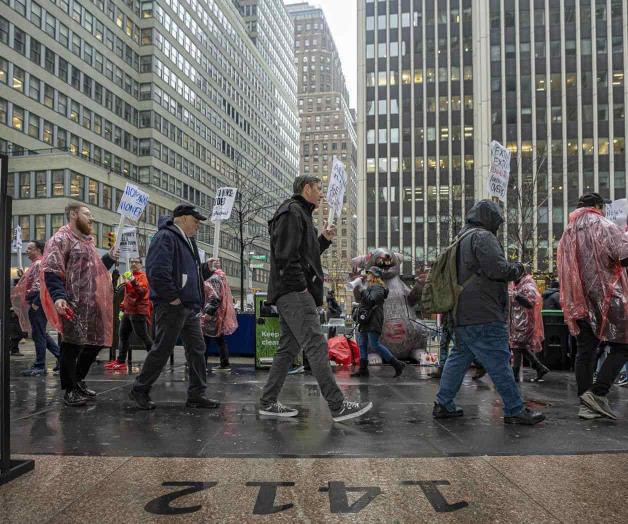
(372, 299)
(176, 276)
(296, 287)
(480, 319)
(592, 258)
(551, 296)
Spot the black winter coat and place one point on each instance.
(551, 299)
(485, 297)
(373, 298)
(295, 251)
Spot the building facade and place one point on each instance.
(438, 81)
(171, 95)
(327, 130)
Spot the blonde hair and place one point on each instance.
(377, 280)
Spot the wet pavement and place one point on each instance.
(395, 464)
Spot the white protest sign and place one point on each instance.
(133, 202)
(336, 190)
(616, 212)
(128, 243)
(223, 203)
(17, 238)
(202, 255)
(499, 173)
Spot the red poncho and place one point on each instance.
(526, 324)
(28, 284)
(225, 321)
(87, 285)
(593, 284)
(136, 296)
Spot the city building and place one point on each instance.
(171, 95)
(327, 132)
(438, 81)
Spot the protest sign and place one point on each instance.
(336, 190)
(499, 173)
(129, 244)
(133, 202)
(616, 212)
(223, 204)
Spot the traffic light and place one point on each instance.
(111, 239)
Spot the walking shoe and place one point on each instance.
(73, 398)
(588, 414)
(119, 366)
(398, 366)
(527, 417)
(110, 364)
(33, 372)
(441, 411)
(597, 403)
(89, 394)
(57, 367)
(437, 373)
(142, 400)
(202, 402)
(622, 380)
(363, 370)
(277, 409)
(350, 410)
(297, 370)
(540, 373)
(223, 368)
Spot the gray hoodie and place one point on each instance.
(485, 297)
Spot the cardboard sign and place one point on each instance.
(133, 202)
(499, 173)
(336, 189)
(128, 243)
(223, 203)
(616, 212)
(17, 238)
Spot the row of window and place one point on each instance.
(603, 45)
(432, 75)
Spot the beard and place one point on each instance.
(84, 226)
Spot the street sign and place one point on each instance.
(258, 257)
(257, 265)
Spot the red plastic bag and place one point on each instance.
(343, 351)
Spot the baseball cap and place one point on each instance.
(591, 200)
(375, 271)
(188, 209)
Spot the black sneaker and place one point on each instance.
(277, 409)
(540, 373)
(350, 410)
(441, 411)
(89, 394)
(142, 400)
(202, 402)
(33, 372)
(527, 417)
(73, 398)
(223, 368)
(57, 368)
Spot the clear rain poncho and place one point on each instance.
(224, 321)
(87, 285)
(593, 284)
(526, 324)
(28, 285)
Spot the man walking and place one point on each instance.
(26, 301)
(592, 258)
(480, 328)
(296, 287)
(77, 297)
(176, 277)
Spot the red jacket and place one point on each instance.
(136, 296)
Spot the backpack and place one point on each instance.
(441, 291)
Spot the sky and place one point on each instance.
(341, 17)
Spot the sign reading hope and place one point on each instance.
(499, 173)
(133, 202)
(223, 203)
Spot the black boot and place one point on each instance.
(73, 398)
(398, 366)
(363, 370)
(516, 373)
(541, 371)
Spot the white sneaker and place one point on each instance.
(588, 414)
(350, 410)
(598, 403)
(277, 409)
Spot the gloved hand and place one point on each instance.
(128, 276)
(120, 315)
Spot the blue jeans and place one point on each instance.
(41, 338)
(488, 343)
(366, 338)
(443, 353)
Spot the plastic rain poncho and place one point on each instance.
(526, 324)
(27, 286)
(88, 288)
(224, 321)
(593, 284)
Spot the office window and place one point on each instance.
(76, 185)
(17, 121)
(58, 188)
(18, 79)
(33, 126)
(25, 185)
(47, 133)
(40, 227)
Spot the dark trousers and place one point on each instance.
(519, 353)
(170, 323)
(41, 338)
(223, 350)
(137, 324)
(586, 359)
(74, 363)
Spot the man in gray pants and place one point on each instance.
(296, 288)
(176, 277)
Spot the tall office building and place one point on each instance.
(438, 81)
(172, 95)
(327, 128)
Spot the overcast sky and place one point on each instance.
(341, 17)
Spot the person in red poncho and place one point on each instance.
(526, 332)
(77, 297)
(219, 317)
(592, 258)
(137, 310)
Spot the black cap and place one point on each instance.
(591, 200)
(374, 270)
(188, 209)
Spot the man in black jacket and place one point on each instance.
(176, 276)
(296, 287)
(480, 320)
